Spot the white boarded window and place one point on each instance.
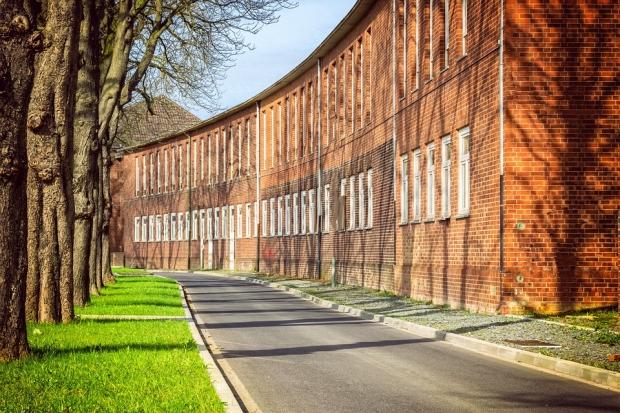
(152, 173)
(173, 226)
(166, 227)
(312, 211)
(430, 181)
(224, 211)
(327, 209)
(216, 223)
(194, 225)
(341, 213)
(158, 174)
(404, 189)
(151, 228)
(304, 213)
(295, 213)
(202, 225)
(187, 226)
(173, 168)
(239, 221)
(231, 215)
(136, 228)
(209, 224)
(272, 217)
(265, 224)
(370, 221)
(180, 220)
(446, 183)
(417, 185)
(287, 214)
(144, 188)
(352, 211)
(144, 229)
(180, 149)
(158, 228)
(166, 171)
(464, 171)
(248, 220)
(361, 204)
(280, 212)
(256, 219)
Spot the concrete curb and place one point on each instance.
(220, 385)
(569, 369)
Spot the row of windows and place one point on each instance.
(416, 21)
(290, 214)
(464, 186)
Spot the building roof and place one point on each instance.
(355, 15)
(138, 126)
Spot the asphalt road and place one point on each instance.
(294, 356)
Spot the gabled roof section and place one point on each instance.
(138, 126)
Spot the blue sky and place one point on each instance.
(280, 47)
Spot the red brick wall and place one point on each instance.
(562, 154)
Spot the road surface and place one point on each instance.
(294, 356)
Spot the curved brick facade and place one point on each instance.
(385, 106)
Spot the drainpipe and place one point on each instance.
(258, 191)
(501, 154)
(319, 192)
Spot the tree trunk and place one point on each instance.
(106, 269)
(98, 272)
(49, 147)
(84, 155)
(16, 75)
(95, 244)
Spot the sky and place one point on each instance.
(278, 48)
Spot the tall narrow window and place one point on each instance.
(401, 47)
(301, 146)
(264, 223)
(446, 40)
(295, 116)
(231, 151)
(288, 128)
(151, 228)
(371, 200)
(273, 137)
(430, 181)
(144, 229)
(173, 227)
(446, 183)
(430, 39)
(158, 228)
(216, 223)
(248, 146)
(368, 75)
(361, 203)
(280, 127)
(417, 43)
(180, 226)
(202, 159)
(357, 94)
(352, 200)
(272, 217)
(137, 176)
(464, 176)
(195, 164)
(188, 227)
(209, 224)
(239, 221)
(341, 211)
(417, 186)
(136, 228)
(224, 212)
(311, 211)
(248, 220)
(209, 170)
(166, 227)
(256, 219)
(280, 215)
(224, 159)
(144, 187)
(342, 66)
(202, 225)
(464, 26)
(152, 173)
(217, 156)
(158, 174)
(195, 225)
(239, 147)
(303, 211)
(180, 149)
(173, 176)
(264, 126)
(188, 163)
(327, 210)
(334, 102)
(287, 215)
(404, 189)
(231, 224)
(166, 172)
(310, 142)
(295, 213)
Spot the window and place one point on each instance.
(187, 226)
(303, 211)
(404, 189)
(247, 143)
(209, 224)
(370, 221)
(194, 225)
(217, 156)
(224, 222)
(239, 221)
(158, 228)
(264, 216)
(361, 201)
(231, 217)
(137, 177)
(446, 183)
(151, 228)
(202, 159)
(248, 220)
(264, 126)
(256, 217)
(180, 226)
(144, 188)
(239, 147)
(280, 212)
(152, 173)
(430, 181)
(272, 217)
(166, 227)
(312, 211)
(216, 224)
(224, 162)
(341, 213)
(430, 41)
(165, 170)
(464, 27)
(136, 227)
(352, 203)
(326, 209)
(180, 149)
(202, 225)
(446, 24)
(172, 168)
(295, 213)
(173, 226)
(287, 215)
(195, 164)
(158, 174)
(401, 45)
(144, 229)
(417, 186)
(273, 136)
(188, 162)
(464, 177)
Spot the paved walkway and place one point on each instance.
(293, 356)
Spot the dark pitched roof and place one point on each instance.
(138, 126)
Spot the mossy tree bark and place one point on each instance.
(16, 76)
(49, 148)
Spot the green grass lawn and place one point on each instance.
(136, 295)
(113, 366)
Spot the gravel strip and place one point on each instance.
(577, 344)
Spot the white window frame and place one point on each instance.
(209, 234)
(144, 187)
(166, 171)
(137, 221)
(342, 226)
(194, 225)
(256, 218)
(224, 217)
(158, 172)
(231, 209)
(137, 176)
(464, 31)
(287, 214)
(430, 181)
(352, 200)
(446, 181)
(248, 220)
(296, 213)
(158, 228)
(166, 227)
(145, 232)
(417, 185)
(201, 215)
(404, 189)
(264, 212)
(216, 223)
(311, 211)
(187, 226)
(304, 195)
(361, 204)
(151, 228)
(239, 233)
(180, 225)
(369, 186)
(272, 217)
(280, 215)
(173, 226)
(173, 176)
(464, 191)
(327, 209)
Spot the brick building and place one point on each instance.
(464, 152)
